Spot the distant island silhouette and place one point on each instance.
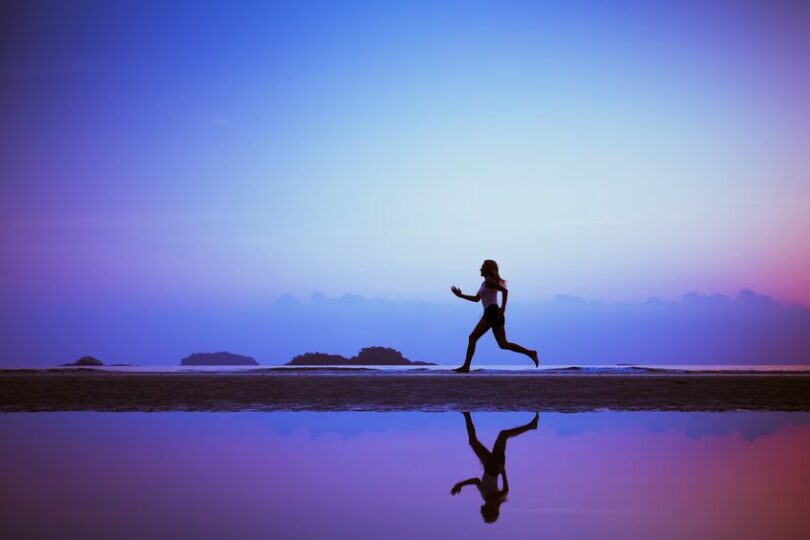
(218, 359)
(368, 356)
(86, 361)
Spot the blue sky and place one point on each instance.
(173, 154)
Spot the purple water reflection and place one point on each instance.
(373, 475)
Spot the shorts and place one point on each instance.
(495, 464)
(492, 313)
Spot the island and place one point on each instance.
(218, 359)
(86, 361)
(368, 356)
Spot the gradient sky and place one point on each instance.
(224, 153)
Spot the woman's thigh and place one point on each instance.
(480, 329)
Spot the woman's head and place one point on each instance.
(489, 269)
(490, 511)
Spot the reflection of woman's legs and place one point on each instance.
(500, 442)
(478, 448)
(500, 337)
(479, 330)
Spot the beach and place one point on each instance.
(357, 390)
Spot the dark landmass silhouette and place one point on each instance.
(318, 359)
(384, 356)
(218, 359)
(368, 356)
(86, 361)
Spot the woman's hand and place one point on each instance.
(455, 290)
(456, 489)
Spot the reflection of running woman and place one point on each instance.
(493, 315)
(494, 463)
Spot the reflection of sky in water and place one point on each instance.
(750, 424)
(220, 475)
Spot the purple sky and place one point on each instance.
(162, 156)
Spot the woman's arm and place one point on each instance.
(469, 482)
(455, 290)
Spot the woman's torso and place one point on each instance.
(488, 296)
(488, 485)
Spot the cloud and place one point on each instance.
(749, 297)
(705, 299)
(750, 328)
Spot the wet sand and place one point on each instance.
(89, 390)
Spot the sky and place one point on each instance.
(219, 155)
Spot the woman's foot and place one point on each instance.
(533, 356)
(462, 369)
(533, 423)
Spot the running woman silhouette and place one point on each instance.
(493, 316)
(494, 463)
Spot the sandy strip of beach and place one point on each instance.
(99, 391)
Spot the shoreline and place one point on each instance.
(432, 369)
(272, 390)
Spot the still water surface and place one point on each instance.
(390, 475)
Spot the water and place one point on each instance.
(389, 475)
(550, 368)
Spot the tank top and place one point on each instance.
(488, 485)
(488, 296)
